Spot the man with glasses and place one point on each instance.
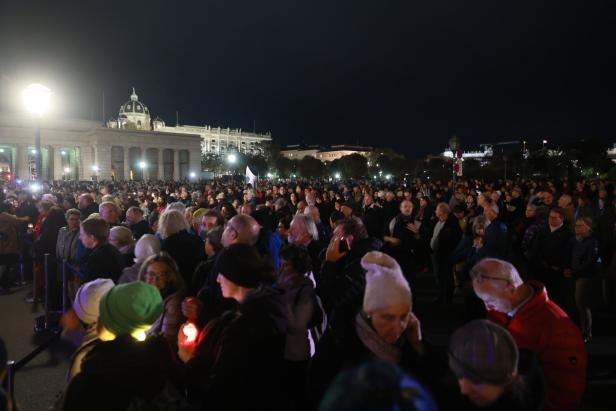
(536, 324)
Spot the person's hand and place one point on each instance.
(191, 308)
(333, 254)
(413, 333)
(412, 227)
(69, 321)
(185, 352)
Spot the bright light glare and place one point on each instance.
(193, 174)
(34, 187)
(337, 175)
(36, 98)
(231, 158)
(388, 176)
(270, 175)
(142, 164)
(63, 152)
(67, 170)
(94, 168)
(33, 151)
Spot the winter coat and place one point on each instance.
(582, 257)
(118, 373)
(496, 242)
(104, 261)
(48, 236)
(187, 251)
(448, 238)
(139, 229)
(344, 277)
(210, 293)
(66, 245)
(238, 362)
(130, 274)
(542, 327)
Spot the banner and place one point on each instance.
(250, 177)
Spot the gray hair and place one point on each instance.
(107, 204)
(479, 222)
(308, 223)
(444, 207)
(176, 206)
(171, 222)
(495, 269)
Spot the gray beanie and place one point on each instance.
(483, 352)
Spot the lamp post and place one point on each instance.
(142, 166)
(232, 159)
(36, 99)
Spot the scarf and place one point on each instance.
(371, 340)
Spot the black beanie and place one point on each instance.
(241, 264)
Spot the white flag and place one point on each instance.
(250, 177)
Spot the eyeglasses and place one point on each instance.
(156, 276)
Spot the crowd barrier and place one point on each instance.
(49, 321)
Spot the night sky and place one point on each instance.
(404, 74)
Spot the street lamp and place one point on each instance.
(231, 158)
(193, 174)
(337, 175)
(36, 99)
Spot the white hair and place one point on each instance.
(494, 269)
(171, 222)
(308, 223)
(176, 206)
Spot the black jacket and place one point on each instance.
(343, 278)
(104, 261)
(448, 238)
(551, 247)
(116, 373)
(238, 363)
(187, 251)
(582, 257)
(139, 229)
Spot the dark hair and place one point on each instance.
(355, 227)
(336, 216)
(298, 257)
(220, 220)
(96, 227)
(559, 211)
(135, 209)
(6, 207)
(376, 386)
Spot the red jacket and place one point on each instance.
(544, 328)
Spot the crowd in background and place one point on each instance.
(298, 295)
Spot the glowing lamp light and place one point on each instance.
(231, 158)
(1, 150)
(142, 164)
(63, 152)
(139, 335)
(67, 170)
(269, 175)
(36, 99)
(294, 176)
(337, 175)
(35, 187)
(193, 174)
(95, 168)
(545, 141)
(188, 334)
(388, 176)
(33, 151)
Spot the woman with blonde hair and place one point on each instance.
(185, 247)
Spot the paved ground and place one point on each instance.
(38, 384)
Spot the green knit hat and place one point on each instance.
(129, 308)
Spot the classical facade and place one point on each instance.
(80, 149)
(134, 115)
(324, 154)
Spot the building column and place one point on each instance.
(161, 166)
(57, 163)
(23, 168)
(126, 163)
(176, 165)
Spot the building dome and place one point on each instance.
(134, 114)
(134, 106)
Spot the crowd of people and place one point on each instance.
(298, 295)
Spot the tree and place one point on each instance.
(354, 165)
(285, 166)
(310, 167)
(258, 165)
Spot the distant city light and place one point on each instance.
(231, 158)
(270, 175)
(337, 175)
(388, 176)
(294, 176)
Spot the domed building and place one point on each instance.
(133, 115)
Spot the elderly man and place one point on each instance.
(445, 238)
(536, 324)
(496, 242)
(110, 212)
(87, 205)
(303, 232)
(137, 224)
(210, 303)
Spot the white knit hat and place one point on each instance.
(385, 284)
(146, 246)
(88, 298)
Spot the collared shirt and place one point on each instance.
(552, 229)
(513, 312)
